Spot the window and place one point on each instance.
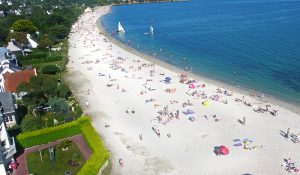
(9, 118)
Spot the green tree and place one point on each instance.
(45, 41)
(50, 86)
(31, 123)
(18, 36)
(59, 106)
(64, 91)
(23, 87)
(24, 26)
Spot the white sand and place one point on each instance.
(189, 150)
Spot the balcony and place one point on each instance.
(11, 150)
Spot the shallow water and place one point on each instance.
(252, 44)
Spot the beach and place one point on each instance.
(156, 119)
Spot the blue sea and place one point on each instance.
(254, 44)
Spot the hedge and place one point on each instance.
(82, 125)
(42, 136)
(100, 154)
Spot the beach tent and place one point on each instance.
(224, 150)
(192, 86)
(205, 103)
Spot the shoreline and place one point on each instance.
(132, 108)
(266, 99)
(149, 2)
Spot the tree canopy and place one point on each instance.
(31, 123)
(24, 26)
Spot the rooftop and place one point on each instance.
(7, 102)
(13, 80)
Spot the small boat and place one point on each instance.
(151, 31)
(120, 28)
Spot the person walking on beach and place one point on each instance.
(244, 120)
(87, 104)
(121, 162)
(141, 137)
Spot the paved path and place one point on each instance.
(21, 160)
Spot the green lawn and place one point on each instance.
(37, 167)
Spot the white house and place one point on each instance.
(7, 147)
(5, 67)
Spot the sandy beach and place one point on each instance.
(159, 120)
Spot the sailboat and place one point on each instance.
(120, 28)
(151, 31)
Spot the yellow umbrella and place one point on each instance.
(205, 103)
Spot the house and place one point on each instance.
(2, 13)
(11, 80)
(7, 148)
(6, 67)
(8, 108)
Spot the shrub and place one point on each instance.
(100, 154)
(33, 56)
(50, 69)
(46, 135)
(31, 123)
(64, 91)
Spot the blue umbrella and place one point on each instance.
(168, 79)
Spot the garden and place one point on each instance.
(63, 158)
(80, 126)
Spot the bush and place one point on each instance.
(64, 91)
(31, 123)
(33, 56)
(50, 69)
(100, 154)
(46, 135)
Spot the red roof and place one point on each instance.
(13, 80)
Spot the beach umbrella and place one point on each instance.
(224, 150)
(238, 144)
(192, 86)
(190, 111)
(168, 79)
(205, 103)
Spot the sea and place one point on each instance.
(251, 44)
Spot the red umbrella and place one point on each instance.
(192, 86)
(224, 150)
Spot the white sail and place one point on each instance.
(120, 28)
(151, 30)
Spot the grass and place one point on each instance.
(37, 167)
